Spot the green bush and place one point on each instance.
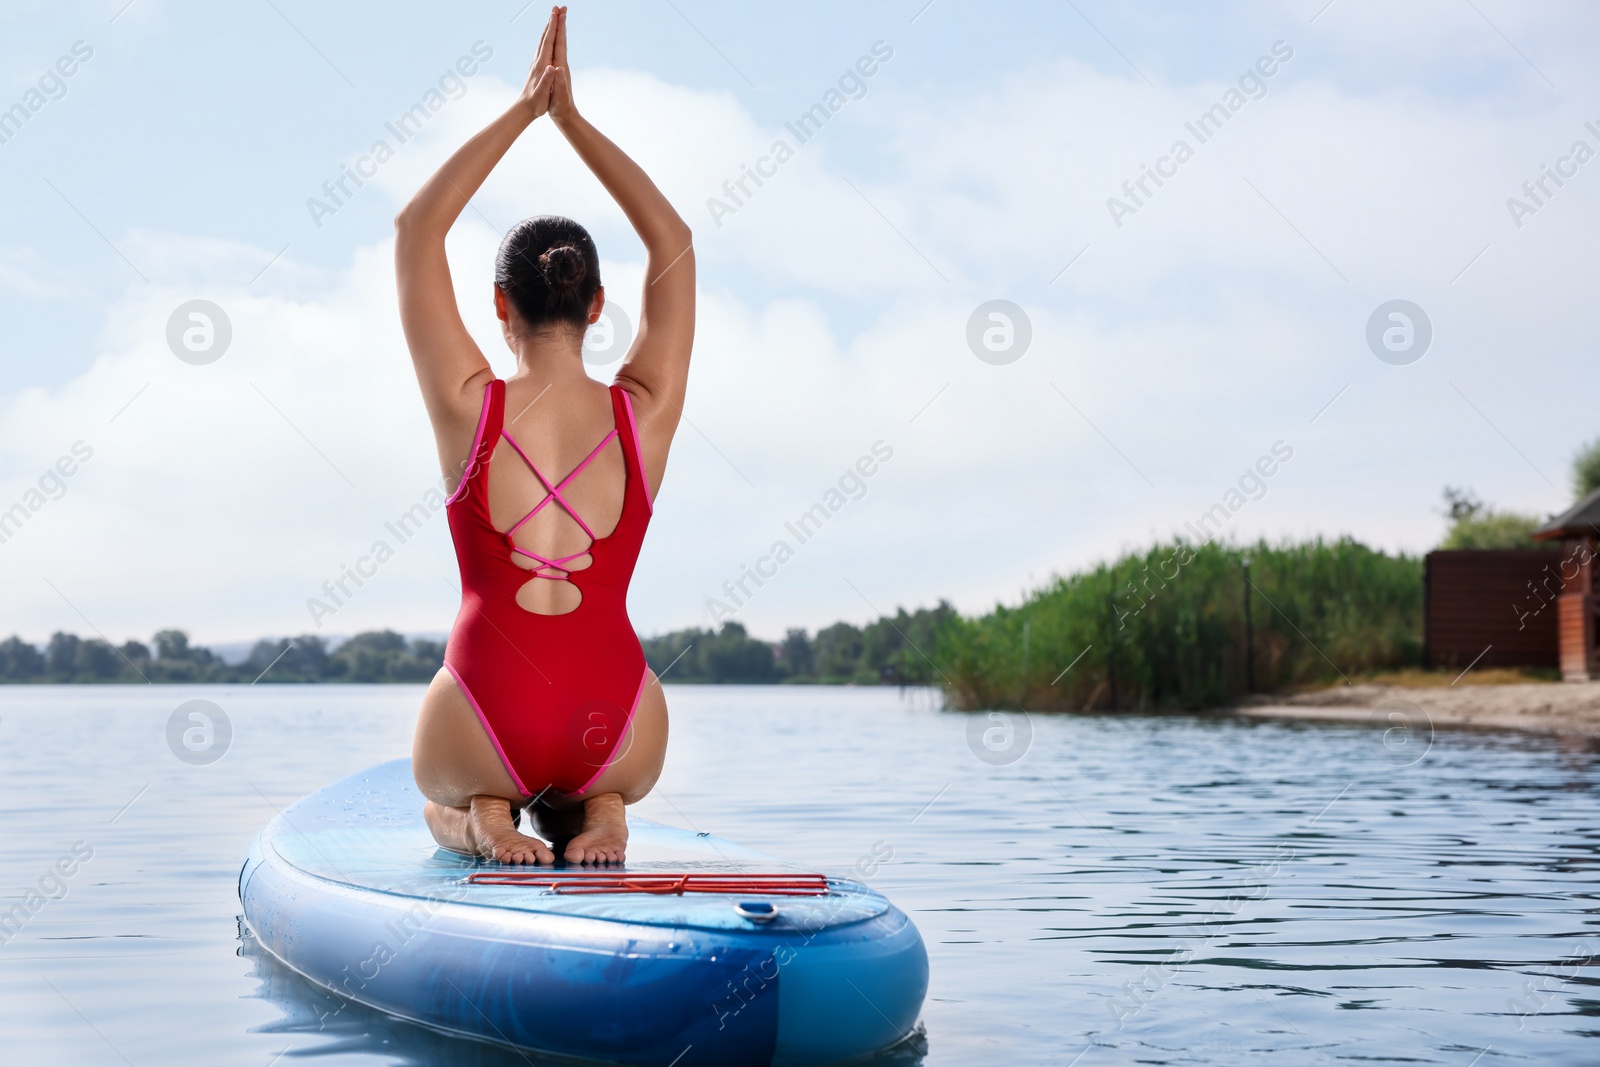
(1586, 469)
(1473, 525)
(1495, 529)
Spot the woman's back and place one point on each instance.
(556, 691)
(549, 438)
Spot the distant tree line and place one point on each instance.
(890, 651)
(893, 650)
(378, 656)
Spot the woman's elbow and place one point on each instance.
(675, 237)
(412, 219)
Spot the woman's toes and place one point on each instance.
(579, 854)
(531, 851)
(518, 849)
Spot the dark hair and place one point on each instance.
(549, 269)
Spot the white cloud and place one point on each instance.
(1189, 340)
(24, 271)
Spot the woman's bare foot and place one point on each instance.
(494, 834)
(605, 831)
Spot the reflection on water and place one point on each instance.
(337, 1027)
(1181, 890)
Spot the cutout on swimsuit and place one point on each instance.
(545, 567)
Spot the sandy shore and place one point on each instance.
(1552, 707)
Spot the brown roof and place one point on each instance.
(1583, 518)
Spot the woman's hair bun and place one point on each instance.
(563, 268)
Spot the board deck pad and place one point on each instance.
(371, 836)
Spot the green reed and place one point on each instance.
(1168, 628)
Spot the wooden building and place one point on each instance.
(1577, 529)
(1490, 608)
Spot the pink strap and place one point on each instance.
(484, 719)
(477, 445)
(590, 457)
(555, 490)
(549, 562)
(638, 447)
(553, 564)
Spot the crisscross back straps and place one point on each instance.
(553, 492)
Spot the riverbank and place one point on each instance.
(1571, 708)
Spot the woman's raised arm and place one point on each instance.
(450, 367)
(657, 368)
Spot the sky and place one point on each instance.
(1349, 275)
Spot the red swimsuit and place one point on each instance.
(555, 692)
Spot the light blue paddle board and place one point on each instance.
(348, 888)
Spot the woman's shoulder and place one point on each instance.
(638, 399)
(472, 402)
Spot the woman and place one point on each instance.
(544, 702)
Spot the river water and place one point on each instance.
(1093, 890)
